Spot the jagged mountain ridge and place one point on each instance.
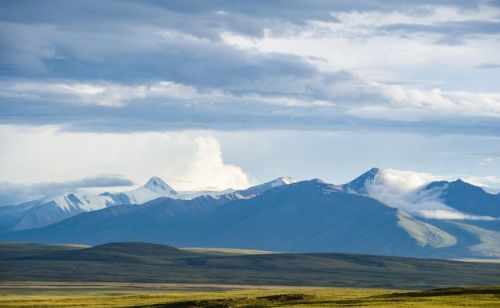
(45, 211)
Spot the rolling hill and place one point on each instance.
(143, 262)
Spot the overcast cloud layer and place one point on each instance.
(155, 65)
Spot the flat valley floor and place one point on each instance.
(57, 294)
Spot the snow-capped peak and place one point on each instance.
(157, 185)
(359, 184)
(153, 189)
(284, 180)
(75, 202)
(256, 190)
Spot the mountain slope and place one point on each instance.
(155, 188)
(359, 185)
(259, 189)
(49, 210)
(46, 211)
(444, 200)
(467, 198)
(307, 216)
(153, 220)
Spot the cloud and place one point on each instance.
(208, 19)
(207, 167)
(402, 189)
(335, 101)
(99, 181)
(449, 32)
(15, 193)
(185, 160)
(452, 215)
(488, 66)
(180, 66)
(145, 52)
(452, 102)
(100, 94)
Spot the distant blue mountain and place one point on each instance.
(467, 198)
(459, 195)
(359, 184)
(281, 215)
(52, 209)
(306, 216)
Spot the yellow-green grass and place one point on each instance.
(226, 251)
(170, 295)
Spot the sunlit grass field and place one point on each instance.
(151, 295)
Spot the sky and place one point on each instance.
(227, 94)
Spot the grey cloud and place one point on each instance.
(111, 39)
(98, 181)
(449, 32)
(488, 66)
(198, 16)
(131, 42)
(130, 55)
(241, 113)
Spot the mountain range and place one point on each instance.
(281, 215)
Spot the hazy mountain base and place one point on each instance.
(141, 262)
(115, 295)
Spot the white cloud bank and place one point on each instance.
(351, 97)
(207, 168)
(402, 189)
(185, 160)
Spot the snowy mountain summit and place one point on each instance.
(285, 180)
(153, 189)
(256, 190)
(157, 185)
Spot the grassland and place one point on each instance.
(148, 275)
(178, 295)
(225, 251)
(149, 263)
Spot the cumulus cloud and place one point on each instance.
(185, 160)
(207, 166)
(403, 190)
